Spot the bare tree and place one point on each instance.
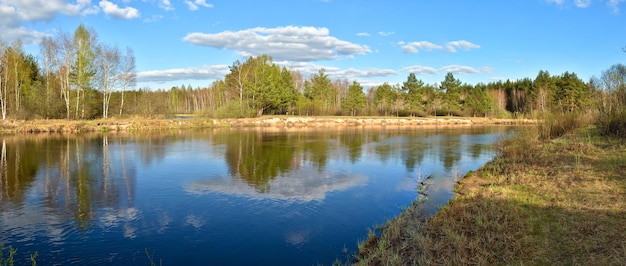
(128, 77)
(17, 55)
(66, 46)
(107, 73)
(49, 51)
(3, 90)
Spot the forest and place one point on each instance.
(78, 77)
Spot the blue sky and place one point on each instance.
(194, 41)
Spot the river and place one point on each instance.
(222, 197)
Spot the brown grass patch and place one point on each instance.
(561, 202)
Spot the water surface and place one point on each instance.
(221, 197)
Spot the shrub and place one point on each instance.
(234, 109)
(612, 123)
(557, 125)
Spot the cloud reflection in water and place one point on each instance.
(302, 185)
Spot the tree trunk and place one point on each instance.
(122, 103)
(2, 101)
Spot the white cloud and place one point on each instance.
(196, 4)
(15, 12)
(28, 36)
(115, 11)
(486, 69)
(421, 70)
(282, 43)
(457, 69)
(382, 33)
(414, 47)
(166, 5)
(213, 72)
(154, 18)
(465, 45)
(452, 47)
(557, 2)
(308, 69)
(582, 3)
(372, 72)
(614, 5)
(363, 34)
(365, 76)
(454, 69)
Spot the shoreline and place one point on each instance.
(553, 203)
(277, 122)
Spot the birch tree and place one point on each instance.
(83, 69)
(65, 62)
(3, 91)
(14, 54)
(108, 73)
(128, 77)
(49, 51)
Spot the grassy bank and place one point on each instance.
(556, 202)
(191, 122)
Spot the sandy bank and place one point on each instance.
(279, 122)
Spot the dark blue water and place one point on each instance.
(221, 197)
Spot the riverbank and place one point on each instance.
(561, 202)
(286, 122)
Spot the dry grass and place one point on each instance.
(561, 202)
(101, 125)
(191, 121)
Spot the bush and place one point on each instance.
(612, 123)
(557, 125)
(234, 109)
(519, 148)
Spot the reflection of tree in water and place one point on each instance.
(353, 142)
(414, 154)
(451, 152)
(257, 157)
(477, 150)
(79, 174)
(18, 165)
(315, 148)
(152, 146)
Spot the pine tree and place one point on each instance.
(355, 99)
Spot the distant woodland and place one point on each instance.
(76, 76)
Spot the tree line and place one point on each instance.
(78, 77)
(75, 77)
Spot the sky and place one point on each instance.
(192, 42)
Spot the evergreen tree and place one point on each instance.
(385, 98)
(477, 101)
(288, 92)
(452, 94)
(572, 94)
(545, 88)
(320, 91)
(355, 99)
(413, 91)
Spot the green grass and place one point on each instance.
(9, 260)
